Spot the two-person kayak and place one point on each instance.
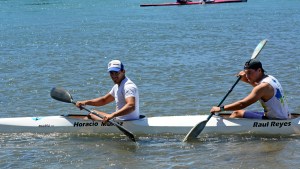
(176, 125)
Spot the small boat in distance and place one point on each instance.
(194, 3)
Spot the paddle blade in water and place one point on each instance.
(195, 131)
(126, 132)
(121, 128)
(61, 95)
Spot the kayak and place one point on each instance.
(193, 3)
(218, 124)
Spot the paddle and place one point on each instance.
(197, 129)
(64, 96)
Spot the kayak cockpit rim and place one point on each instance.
(81, 116)
(223, 115)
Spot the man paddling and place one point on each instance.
(266, 89)
(124, 92)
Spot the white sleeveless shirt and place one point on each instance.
(126, 89)
(276, 107)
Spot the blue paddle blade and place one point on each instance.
(61, 94)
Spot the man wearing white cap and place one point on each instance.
(124, 92)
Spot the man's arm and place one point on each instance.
(97, 101)
(126, 109)
(257, 93)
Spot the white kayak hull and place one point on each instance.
(151, 125)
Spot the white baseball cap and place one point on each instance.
(115, 66)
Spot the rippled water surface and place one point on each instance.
(183, 59)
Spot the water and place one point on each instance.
(183, 60)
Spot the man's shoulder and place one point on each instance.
(130, 86)
(263, 85)
(129, 83)
(264, 88)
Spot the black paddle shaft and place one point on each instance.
(197, 129)
(230, 90)
(236, 82)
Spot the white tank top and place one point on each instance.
(276, 107)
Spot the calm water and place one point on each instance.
(182, 58)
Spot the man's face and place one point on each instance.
(117, 77)
(252, 75)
